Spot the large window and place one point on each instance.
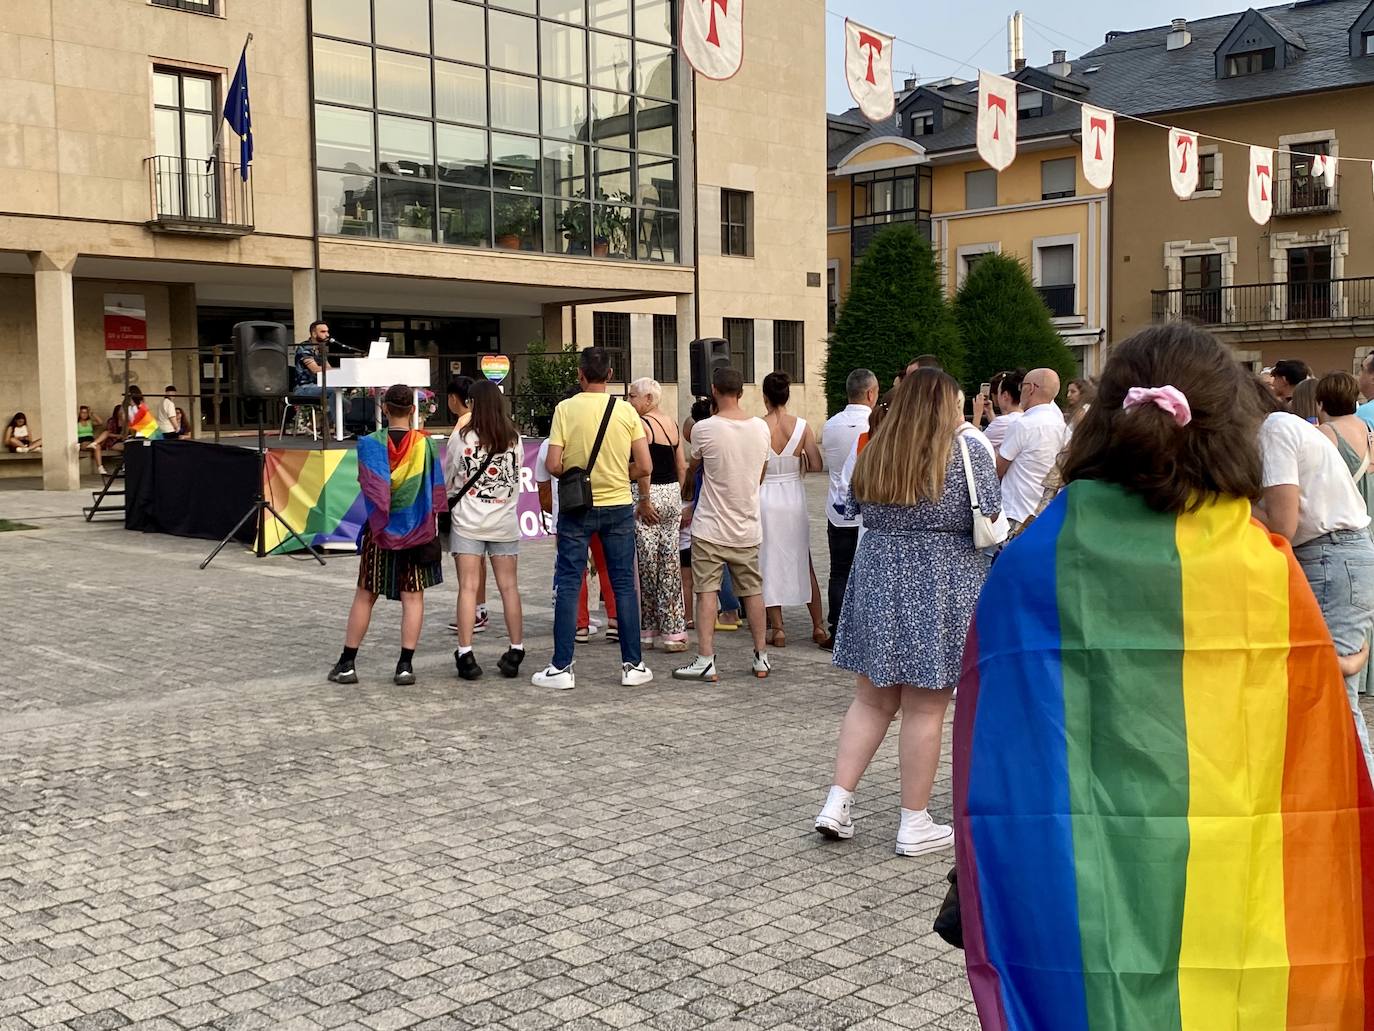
(735, 216)
(184, 118)
(1202, 288)
(665, 348)
(1207, 171)
(551, 129)
(740, 335)
(789, 354)
(980, 189)
(878, 199)
(611, 331)
(1057, 279)
(1309, 283)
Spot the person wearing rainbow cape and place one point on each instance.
(402, 484)
(1163, 819)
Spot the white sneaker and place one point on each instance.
(919, 834)
(834, 821)
(554, 678)
(633, 676)
(762, 667)
(702, 668)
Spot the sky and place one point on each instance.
(975, 31)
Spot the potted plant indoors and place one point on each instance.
(610, 222)
(514, 220)
(574, 222)
(416, 224)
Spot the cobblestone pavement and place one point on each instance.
(196, 830)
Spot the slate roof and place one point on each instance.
(1134, 73)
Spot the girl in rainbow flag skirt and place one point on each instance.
(402, 484)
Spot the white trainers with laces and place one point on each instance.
(919, 834)
(554, 678)
(834, 821)
(633, 676)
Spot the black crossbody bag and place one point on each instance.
(446, 518)
(575, 485)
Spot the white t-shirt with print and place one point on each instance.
(542, 475)
(489, 510)
(1296, 453)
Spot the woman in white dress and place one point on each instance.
(788, 575)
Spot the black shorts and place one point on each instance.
(685, 555)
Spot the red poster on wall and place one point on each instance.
(126, 323)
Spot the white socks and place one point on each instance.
(463, 650)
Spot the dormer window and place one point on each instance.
(1030, 104)
(1367, 44)
(1251, 62)
(922, 123)
(1362, 33)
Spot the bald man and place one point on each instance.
(1032, 445)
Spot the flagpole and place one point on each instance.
(219, 123)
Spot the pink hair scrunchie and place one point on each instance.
(1170, 399)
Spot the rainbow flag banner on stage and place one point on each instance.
(144, 425)
(1163, 818)
(317, 494)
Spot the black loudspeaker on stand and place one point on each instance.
(708, 355)
(261, 350)
(261, 509)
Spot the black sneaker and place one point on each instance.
(467, 665)
(509, 664)
(405, 676)
(343, 673)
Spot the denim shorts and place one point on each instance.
(460, 545)
(1340, 567)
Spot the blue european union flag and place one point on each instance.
(236, 113)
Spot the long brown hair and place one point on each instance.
(906, 460)
(491, 422)
(1173, 468)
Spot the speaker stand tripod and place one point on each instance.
(260, 509)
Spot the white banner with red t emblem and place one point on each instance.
(996, 120)
(1324, 168)
(1260, 191)
(868, 68)
(713, 36)
(1099, 146)
(1183, 162)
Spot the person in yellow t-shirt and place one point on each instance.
(576, 422)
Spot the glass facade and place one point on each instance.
(534, 125)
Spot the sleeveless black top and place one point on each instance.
(662, 457)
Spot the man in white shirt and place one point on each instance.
(732, 449)
(166, 414)
(838, 440)
(1006, 394)
(1031, 446)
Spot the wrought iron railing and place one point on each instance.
(866, 227)
(195, 6)
(1305, 195)
(1254, 303)
(1060, 300)
(196, 192)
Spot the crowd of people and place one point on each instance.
(98, 440)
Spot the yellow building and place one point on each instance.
(922, 168)
(1300, 78)
(457, 177)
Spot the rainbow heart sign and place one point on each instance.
(495, 367)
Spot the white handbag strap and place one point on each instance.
(968, 473)
(1364, 466)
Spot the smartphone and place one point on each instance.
(986, 389)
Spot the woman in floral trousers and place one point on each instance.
(660, 567)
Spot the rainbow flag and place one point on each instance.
(1163, 819)
(402, 487)
(318, 496)
(143, 424)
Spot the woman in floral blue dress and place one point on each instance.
(910, 598)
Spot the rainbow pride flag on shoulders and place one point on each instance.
(143, 424)
(402, 487)
(1163, 818)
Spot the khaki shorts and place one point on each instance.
(708, 568)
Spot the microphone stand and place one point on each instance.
(324, 393)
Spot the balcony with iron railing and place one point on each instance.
(1296, 196)
(1060, 300)
(866, 227)
(1256, 304)
(199, 197)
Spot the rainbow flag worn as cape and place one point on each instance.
(1163, 818)
(144, 425)
(403, 486)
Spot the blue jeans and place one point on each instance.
(726, 594)
(1340, 567)
(616, 527)
(316, 391)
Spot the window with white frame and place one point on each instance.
(1057, 279)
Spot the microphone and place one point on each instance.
(343, 347)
